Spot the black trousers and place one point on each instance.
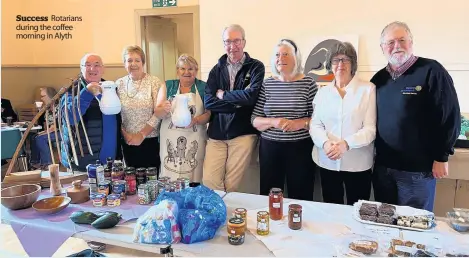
(357, 186)
(291, 160)
(145, 155)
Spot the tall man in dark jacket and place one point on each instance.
(418, 122)
(103, 130)
(231, 93)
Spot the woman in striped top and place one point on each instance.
(282, 114)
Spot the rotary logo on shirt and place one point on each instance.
(411, 90)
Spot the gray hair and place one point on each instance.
(188, 60)
(235, 27)
(297, 56)
(342, 48)
(86, 56)
(396, 24)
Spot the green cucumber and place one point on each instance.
(107, 221)
(83, 217)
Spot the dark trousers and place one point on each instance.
(357, 186)
(290, 159)
(415, 189)
(145, 155)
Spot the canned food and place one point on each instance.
(98, 199)
(113, 200)
(118, 187)
(104, 187)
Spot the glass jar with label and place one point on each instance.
(295, 216)
(276, 204)
(117, 174)
(141, 176)
(242, 213)
(236, 231)
(152, 173)
(263, 227)
(143, 194)
(131, 181)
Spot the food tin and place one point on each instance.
(98, 199)
(118, 187)
(93, 170)
(113, 200)
(104, 187)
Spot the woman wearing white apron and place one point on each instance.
(182, 149)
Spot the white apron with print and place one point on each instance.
(182, 150)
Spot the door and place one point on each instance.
(160, 47)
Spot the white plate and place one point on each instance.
(400, 211)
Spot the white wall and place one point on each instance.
(440, 29)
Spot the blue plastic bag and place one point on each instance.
(201, 212)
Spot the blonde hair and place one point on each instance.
(134, 49)
(188, 60)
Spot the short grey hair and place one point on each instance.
(396, 24)
(235, 27)
(296, 55)
(342, 48)
(188, 60)
(86, 56)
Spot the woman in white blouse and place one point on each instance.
(343, 129)
(143, 99)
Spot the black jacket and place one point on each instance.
(8, 111)
(231, 116)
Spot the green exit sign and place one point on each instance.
(164, 3)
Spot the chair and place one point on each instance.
(27, 112)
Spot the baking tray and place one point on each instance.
(400, 210)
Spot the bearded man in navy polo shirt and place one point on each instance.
(418, 122)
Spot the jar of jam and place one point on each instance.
(276, 204)
(294, 216)
(108, 174)
(152, 173)
(263, 227)
(236, 231)
(131, 181)
(141, 176)
(117, 173)
(242, 213)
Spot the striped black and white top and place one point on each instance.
(290, 100)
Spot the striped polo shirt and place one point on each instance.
(290, 100)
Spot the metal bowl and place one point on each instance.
(20, 196)
(52, 205)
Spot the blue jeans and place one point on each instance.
(415, 189)
(40, 152)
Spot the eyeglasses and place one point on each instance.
(95, 66)
(236, 42)
(391, 43)
(336, 61)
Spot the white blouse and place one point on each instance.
(352, 118)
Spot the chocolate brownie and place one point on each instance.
(387, 209)
(385, 219)
(368, 218)
(368, 209)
